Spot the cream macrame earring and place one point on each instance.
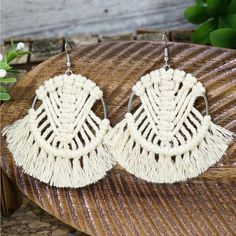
(61, 142)
(166, 139)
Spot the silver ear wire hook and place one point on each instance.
(166, 51)
(69, 72)
(165, 39)
(68, 60)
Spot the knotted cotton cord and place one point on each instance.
(61, 142)
(167, 139)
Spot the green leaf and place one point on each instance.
(8, 80)
(196, 14)
(225, 38)
(2, 89)
(232, 7)
(201, 35)
(12, 43)
(13, 71)
(11, 55)
(4, 97)
(228, 21)
(217, 7)
(200, 2)
(4, 65)
(23, 52)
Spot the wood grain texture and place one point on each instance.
(121, 204)
(10, 195)
(43, 18)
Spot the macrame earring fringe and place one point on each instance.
(167, 169)
(61, 143)
(166, 139)
(60, 172)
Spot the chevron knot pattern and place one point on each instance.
(167, 139)
(61, 142)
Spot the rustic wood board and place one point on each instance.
(43, 18)
(121, 204)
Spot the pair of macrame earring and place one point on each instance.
(64, 143)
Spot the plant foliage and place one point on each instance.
(217, 19)
(7, 72)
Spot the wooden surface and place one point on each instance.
(121, 204)
(10, 196)
(43, 18)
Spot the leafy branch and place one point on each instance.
(6, 70)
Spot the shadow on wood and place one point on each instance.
(10, 195)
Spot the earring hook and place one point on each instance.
(68, 60)
(165, 39)
(166, 51)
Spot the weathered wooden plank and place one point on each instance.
(151, 35)
(121, 204)
(78, 40)
(45, 18)
(117, 37)
(42, 49)
(183, 36)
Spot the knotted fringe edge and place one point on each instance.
(163, 169)
(59, 172)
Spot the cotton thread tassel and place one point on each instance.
(143, 164)
(59, 172)
(166, 139)
(61, 143)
